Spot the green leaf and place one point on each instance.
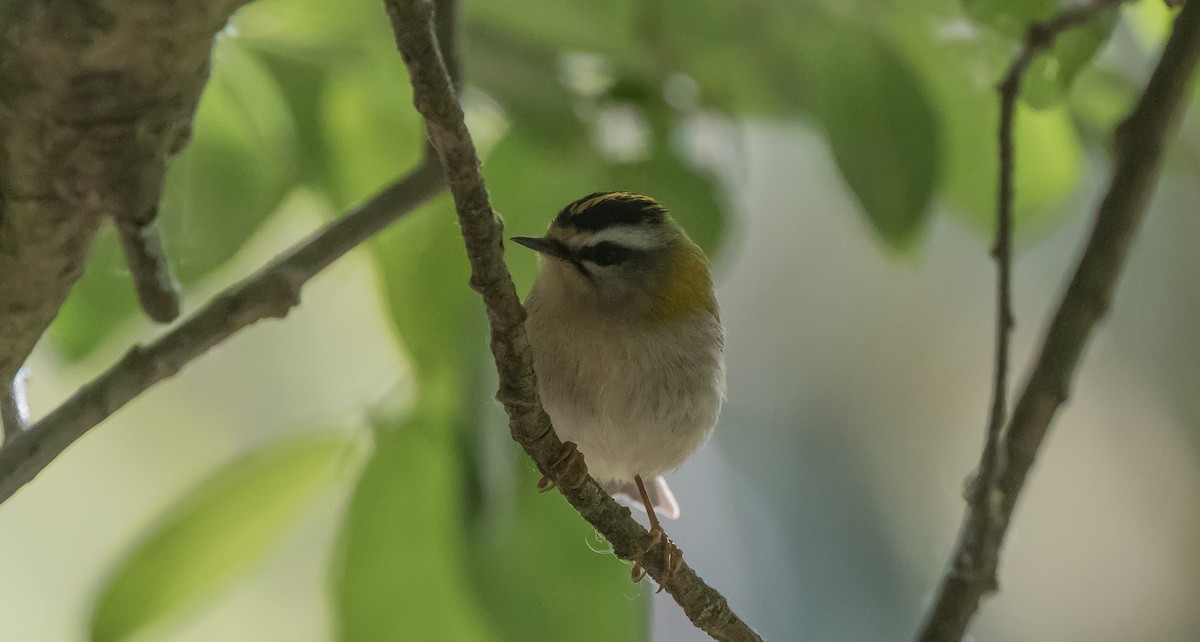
(373, 133)
(1049, 159)
(216, 532)
(219, 190)
(538, 566)
(732, 52)
(962, 74)
(525, 80)
(426, 277)
(241, 162)
(1150, 22)
(308, 44)
(600, 26)
(399, 568)
(1049, 156)
(1010, 17)
(882, 127)
(747, 57)
(1102, 97)
(1048, 80)
(329, 34)
(100, 302)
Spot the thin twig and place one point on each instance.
(1040, 36)
(270, 292)
(1139, 144)
(434, 97)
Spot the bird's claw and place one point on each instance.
(568, 471)
(672, 557)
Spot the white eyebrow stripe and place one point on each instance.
(630, 236)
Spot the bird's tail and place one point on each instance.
(660, 494)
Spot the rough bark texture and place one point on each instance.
(94, 97)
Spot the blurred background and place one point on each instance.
(345, 474)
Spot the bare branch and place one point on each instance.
(270, 292)
(94, 96)
(1140, 140)
(434, 97)
(978, 549)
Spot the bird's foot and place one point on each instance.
(569, 471)
(672, 557)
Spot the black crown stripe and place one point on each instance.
(601, 210)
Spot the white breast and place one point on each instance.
(636, 398)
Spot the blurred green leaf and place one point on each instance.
(961, 73)
(302, 84)
(372, 132)
(600, 26)
(308, 44)
(1150, 22)
(426, 275)
(400, 564)
(399, 569)
(100, 301)
(748, 57)
(691, 196)
(1101, 99)
(545, 576)
(732, 52)
(329, 34)
(1048, 80)
(240, 163)
(524, 79)
(242, 160)
(215, 532)
(1010, 17)
(882, 127)
(1049, 159)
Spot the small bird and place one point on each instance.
(627, 343)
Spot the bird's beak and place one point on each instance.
(543, 246)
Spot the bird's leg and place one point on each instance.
(672, 556)
(569, 471)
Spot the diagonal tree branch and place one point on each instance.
(1139, 143)
(978, 550)
(94, 96)
(271, 292)
(434, 98)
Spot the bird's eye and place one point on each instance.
(604, 253)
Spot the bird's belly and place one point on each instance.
(632, 407)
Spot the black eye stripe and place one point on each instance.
(604, 253)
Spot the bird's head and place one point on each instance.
(623, 253)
